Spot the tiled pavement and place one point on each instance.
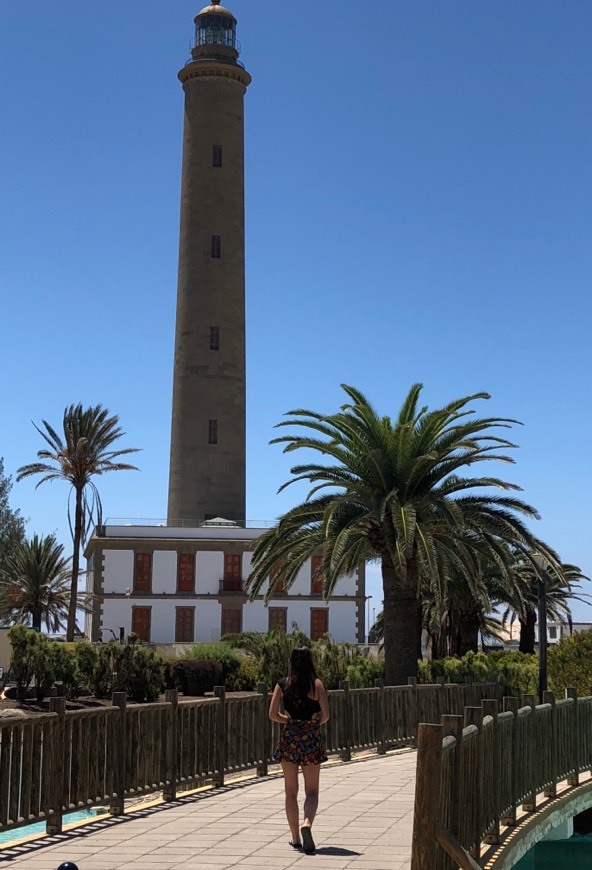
(364, 823)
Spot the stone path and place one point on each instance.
(364, 823)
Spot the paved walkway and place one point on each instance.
(364, 823)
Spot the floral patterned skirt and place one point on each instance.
(301, 743)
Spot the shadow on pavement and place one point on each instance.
(334, 850)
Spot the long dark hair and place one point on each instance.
(301, 673)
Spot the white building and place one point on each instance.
(180, 585)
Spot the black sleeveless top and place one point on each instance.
(299, 708)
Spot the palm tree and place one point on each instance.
(84, 452)
(35, 584)
(395, 495)
(562, 586)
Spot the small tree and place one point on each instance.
(12, 525)
(35, 584)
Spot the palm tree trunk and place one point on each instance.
(36, 619)
(468, 635)
(527, 634)
(75, 568)
(400, 625)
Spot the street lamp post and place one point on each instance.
(368, 626)
(542, 563)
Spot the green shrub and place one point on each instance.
(517, 673)
(195, 676)
(65, 668)
(221, 652)
(125, 667)
(86, 662)
(24, 643)
(362, 673)
(570, 664)
(246, 679)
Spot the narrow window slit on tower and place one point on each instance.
(216, 247)
(214, 338)
(217, 157)
(213, 432)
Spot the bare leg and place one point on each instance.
(311, 774)
(291, 787)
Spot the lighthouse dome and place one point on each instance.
(216, 9)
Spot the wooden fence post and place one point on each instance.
(380, 723)
(172, 737)
(264, 728)
(58, 765)
(413, 709)
(491, 708)
(452, 726)
(549, 698)
(220, 751)
(574, 778)
(119, 742)
(530, 804)
(347, 721)
(474, 716)
(427, 797)
(510, 705)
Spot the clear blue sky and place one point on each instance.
(419, 207)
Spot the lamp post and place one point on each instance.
(542, 564)
(368, 599)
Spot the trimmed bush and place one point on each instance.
(194, 676)
(517, 672)
(570, 664)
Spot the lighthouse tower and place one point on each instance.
(207, 464)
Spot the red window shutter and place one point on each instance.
(141, 622)
(233, 580)
(279, 588)
(231, 620)
(143, 572)
(317, 579)
(184, 625)
(278, 618)
(319, 623)
(186, 572)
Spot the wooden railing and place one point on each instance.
(58, 762)
(477, 771)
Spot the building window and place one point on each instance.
(278, 585)
(217, 157)
(319, 623)
(186, 572)
(141, 622)
(214, 338)
(553, 632)
(184, 625)
(232, 618)
(317, 579)
(143, 572)
(233, 580)
(213, 432)
(278, 618)
(216, 247)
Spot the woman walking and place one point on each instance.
(300, 745)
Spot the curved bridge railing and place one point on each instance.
(480, 774)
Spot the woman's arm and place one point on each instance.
(274, 707)
(323, 701)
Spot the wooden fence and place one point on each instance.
(58, 762)
(475, 771)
